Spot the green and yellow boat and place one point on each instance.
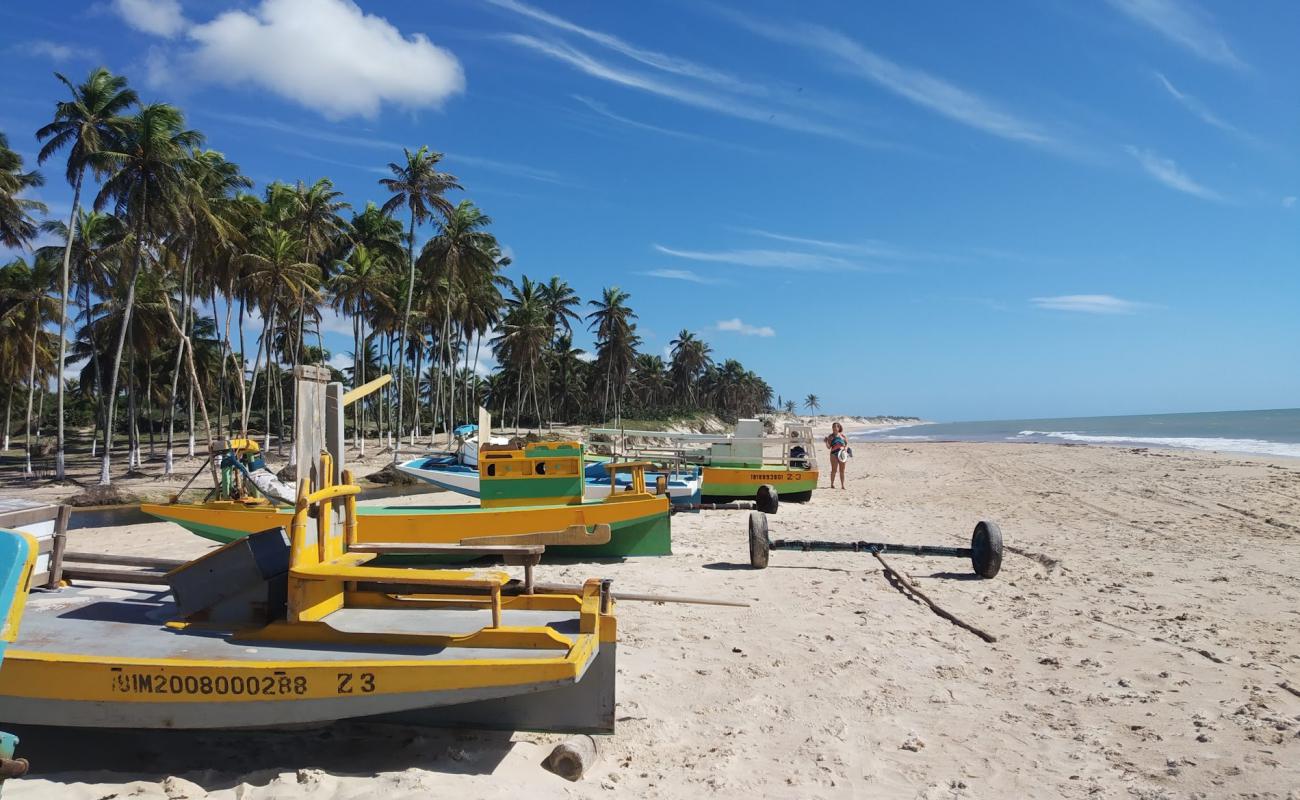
(732, 467)
(524, 491)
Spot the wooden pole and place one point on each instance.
(935, 607)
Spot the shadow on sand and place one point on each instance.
(219, 760)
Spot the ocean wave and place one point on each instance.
(1255, 446)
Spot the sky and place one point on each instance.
(1031, 208)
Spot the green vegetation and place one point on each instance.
(153, 279)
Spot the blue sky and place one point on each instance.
(955, 210)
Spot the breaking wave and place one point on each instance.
(1255, 446)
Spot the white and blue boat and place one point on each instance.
(455, 471)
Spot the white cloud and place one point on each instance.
(661, 61)
(1288, 201)
(341, 361)
(331, 321)
(1167, 172)
(603, 110)
(774, 259)
(735, 324)
(1088, 304)
(869, 247)
(326, 55)
(1200, 110)
(710, 101)
(1181, 22)
(158, 17)
(680, 275)
(586, 356)
(55, 51)
(912, 84)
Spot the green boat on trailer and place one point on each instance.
(732, 467)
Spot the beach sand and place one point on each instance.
(1146, 614)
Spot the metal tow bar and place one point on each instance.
(985, 551)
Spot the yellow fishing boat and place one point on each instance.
(304, 627)
(537, 487)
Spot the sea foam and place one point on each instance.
(1254, 446)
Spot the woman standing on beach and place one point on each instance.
(838, 444)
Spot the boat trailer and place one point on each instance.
(985, 551)
(767, 500)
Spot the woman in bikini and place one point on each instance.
(837, 441)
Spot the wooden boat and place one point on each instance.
(282, 629)
(521, 493)
(732, 467)
(457, 473)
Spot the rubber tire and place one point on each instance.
(758, 541)
(767, 499)
(986, 549)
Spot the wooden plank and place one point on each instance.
(26, 516)
(366, 388)
(446, 549)
(124, 561)
(572, 535)
(55, 574)
(74, 573)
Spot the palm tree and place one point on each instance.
(524, 336)
(420, 187)
(812, 403)
(789, 406)
(96, 254)
(17, 227)
(690, 357)
(461, 253)
(616, 341)
(25, 293)
(358, 288)
(87, 124)
(275, 274)
(145, 182)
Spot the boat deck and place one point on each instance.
(115, 622)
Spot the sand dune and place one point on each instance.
(1146, 618)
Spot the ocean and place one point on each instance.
(1272, 433)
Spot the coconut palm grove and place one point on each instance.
(126, 339)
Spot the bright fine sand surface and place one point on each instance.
(1147, 620)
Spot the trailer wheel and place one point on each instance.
(767, 499)
(986, 549)
(758, 540)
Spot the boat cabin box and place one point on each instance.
(746, 452)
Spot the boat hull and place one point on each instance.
(638, 527)
(453, 478)
(99, 658)
(725, 484)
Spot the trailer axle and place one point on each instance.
(985, 551)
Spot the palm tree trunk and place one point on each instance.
(31, 391)
(356, 372)
(532, 373)
(477, 345)
(9, 407)
(63, 320)
(244, 390)
(361, 360)
(133, 433)
(99, 375)
(176, 370)
(148, 410)
(105, 464)
(268, 337)
(415, 395)
(188, 349)
(406, 317)
(225, 347)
